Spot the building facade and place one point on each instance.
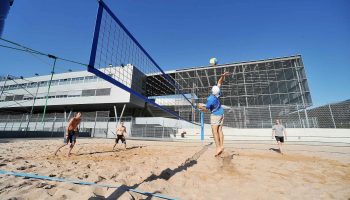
(256, 92)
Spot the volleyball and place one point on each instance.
(213, 61)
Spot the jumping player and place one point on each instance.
(279, 132)
(71, 133)
(121, 132)
(213, 106)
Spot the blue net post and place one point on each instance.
(202, 126)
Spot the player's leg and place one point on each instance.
(116, 142)
(73, 141)
(215, 129)
(281, 144)
(221, 137)
(124, 141)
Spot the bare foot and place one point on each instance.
(218, 151)
(222, 149)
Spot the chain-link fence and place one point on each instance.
(336, 115)
(99, 124)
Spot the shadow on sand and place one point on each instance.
(117, 150)
(166, 174)
(275, 150)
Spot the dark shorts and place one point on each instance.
(279, 138)
(71, 137)
(120, 137)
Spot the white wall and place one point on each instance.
(294, 134)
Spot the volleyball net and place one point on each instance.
(117, 57)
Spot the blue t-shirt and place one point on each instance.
(214, 105)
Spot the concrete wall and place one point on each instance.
(294, 134)
(36, 134)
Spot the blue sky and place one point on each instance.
(186, 33)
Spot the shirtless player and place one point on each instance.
(121, 131)
(71, 133)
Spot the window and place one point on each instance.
(18, 97)
(43, 83)
(103, 92)
(61, 96)
(90, 79)
(9, 98)
(27, 98)
(12, 87)
(54, 82)
(23, 85)
(86, 93)
(65, 81)
(73, 95)
(78, 80)
(32, 85)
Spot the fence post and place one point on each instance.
(202, 126)
(95, 124)
(330, 109)
(8, 118)
(20, 124)
(36, 122)
(307, 118)
(299, 117)
(270, 114)
(107, 127)
(53, 124)
(245, 118)
(163, 129)
(13, 123)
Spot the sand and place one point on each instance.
(246, 170)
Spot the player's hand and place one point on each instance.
(200, 105)
(225, 74)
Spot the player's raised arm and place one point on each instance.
(222, 78)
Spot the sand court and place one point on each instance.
(182, 170)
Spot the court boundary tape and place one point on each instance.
(35, 176)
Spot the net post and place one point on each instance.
(202, 126)
(96, 35)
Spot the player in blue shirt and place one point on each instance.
(213, 106)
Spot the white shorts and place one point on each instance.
(216, 119)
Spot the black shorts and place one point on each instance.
(120, 137)
(71, 137)
(279, 138)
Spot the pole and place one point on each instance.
(32, 110)
(301, 94)
(115, 114)
(202, 126)
(95, 124)
(270, 114)
(121, 115)
(330, 109)
(299, 116)
(48, 89)
(20, 124)
(53, 124)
